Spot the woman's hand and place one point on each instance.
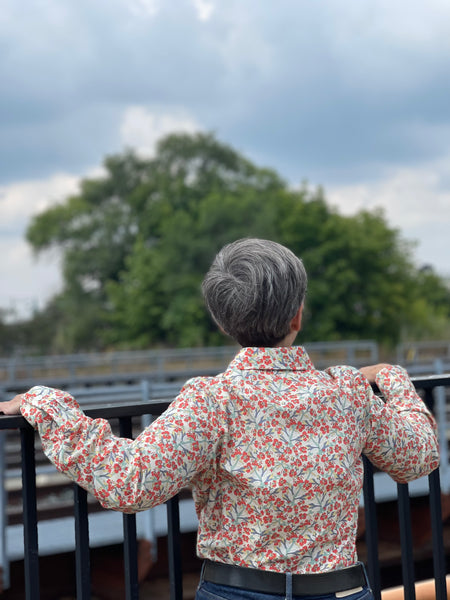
(372, 371)
(11, 407)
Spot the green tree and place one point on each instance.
(137, 242)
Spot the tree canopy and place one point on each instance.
(137, 241)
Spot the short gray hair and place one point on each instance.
(253, 290)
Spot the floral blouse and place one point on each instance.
(271, 449)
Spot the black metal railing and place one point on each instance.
(124, 413)
(429, 385)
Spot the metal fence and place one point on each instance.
(433, 388)
(160, 365)
(434, 391)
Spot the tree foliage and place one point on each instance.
(137, 241)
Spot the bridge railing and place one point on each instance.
(131, 366)
(434, 390)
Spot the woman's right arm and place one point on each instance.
(401, 436)
(125, 475)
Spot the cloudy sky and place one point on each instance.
(352, 95)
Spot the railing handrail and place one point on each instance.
(136, 409)
(124, 411)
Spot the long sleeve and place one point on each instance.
(401, 438)
(126, 475)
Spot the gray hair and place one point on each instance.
(253, 290)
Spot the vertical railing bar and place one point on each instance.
(371, 534)
(437, 536)
(130, 557)
(4, 560)
(434, 482)
(440, 413)
(174, 548)
(429, 398)
(30, 529)
(82, 551)
(130, 554)
(404, 517)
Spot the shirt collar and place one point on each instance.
(291, 358)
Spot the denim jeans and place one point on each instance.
(212, 591)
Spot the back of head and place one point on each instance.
(253, 290)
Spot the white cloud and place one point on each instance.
(27, 281)
(410, 196)
(204, 9)
(415, 200)
(141, 127)
(398, 43)
(20, 201)
(149, 8)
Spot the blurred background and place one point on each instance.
(139, 136)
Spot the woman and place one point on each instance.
(271, 448)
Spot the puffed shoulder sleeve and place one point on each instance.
(126, 475)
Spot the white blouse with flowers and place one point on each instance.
(271, 449)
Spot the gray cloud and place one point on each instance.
(310, 88)
(68, 75)
(354, 96)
